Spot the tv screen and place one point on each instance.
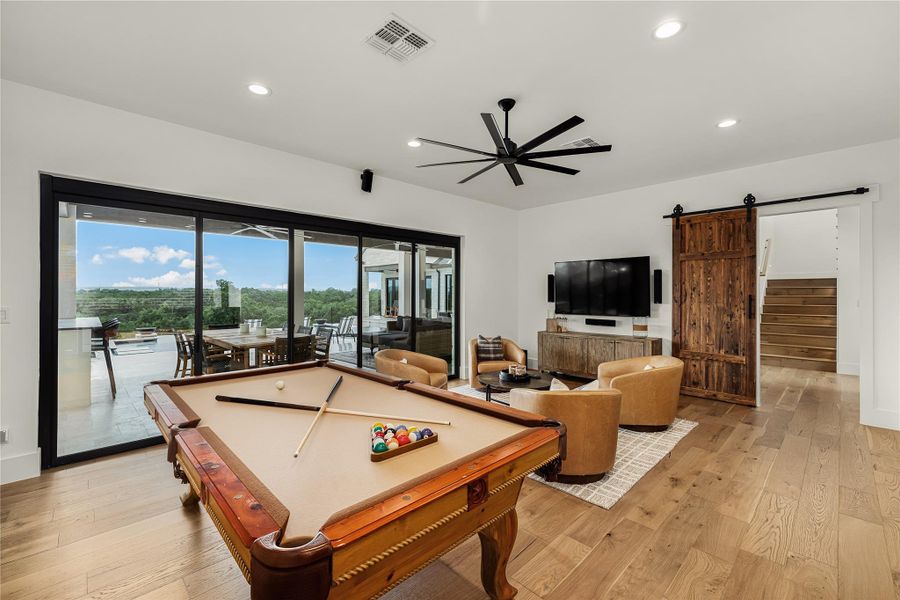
(615, 287)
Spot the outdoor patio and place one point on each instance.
(106, 422)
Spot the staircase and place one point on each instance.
(799, 324)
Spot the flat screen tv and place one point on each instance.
(615, 287)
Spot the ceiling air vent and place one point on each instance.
(585, 142)
(399, 40)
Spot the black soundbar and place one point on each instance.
(603, 322)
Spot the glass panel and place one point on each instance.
(126, 294)
(435, 325)
(245, 298)
(325, 296)
(387, 274)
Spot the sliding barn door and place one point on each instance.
(713, 304)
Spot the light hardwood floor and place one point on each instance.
(793, 500)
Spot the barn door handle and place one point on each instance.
(750, 306)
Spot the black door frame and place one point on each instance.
(55, 189)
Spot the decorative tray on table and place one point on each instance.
(507, 376)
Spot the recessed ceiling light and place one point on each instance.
(413, 143)
(88, 215)
(259, 89)
(726, 123)
(142, 220)
(667, 29)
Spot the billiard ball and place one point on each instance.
(412, 429)
(389, 435)
(380, 447)
(413, 436)
(426, 433)
(378, 424)
(279, 385)
(388, 425)
(399, 427)
(402, 440)
(392, 444)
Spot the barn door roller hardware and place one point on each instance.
(750, 203)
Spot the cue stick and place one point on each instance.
(337, 411)
(318, 414)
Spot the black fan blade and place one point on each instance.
(514, 174)
(427, 141)
(567, 152)
(547, 167)
(477, 173)
(492, 128)
(456, 162)
(550, 134)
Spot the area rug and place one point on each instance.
(636, 453)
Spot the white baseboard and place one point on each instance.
(848, 368)
(21, 466)
(887, 419)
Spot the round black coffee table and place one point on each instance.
(493, 383)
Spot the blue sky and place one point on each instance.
(112, 255)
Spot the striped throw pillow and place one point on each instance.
(489, 348)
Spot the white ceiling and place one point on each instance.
(803, 77)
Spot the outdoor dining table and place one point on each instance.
(240, 344)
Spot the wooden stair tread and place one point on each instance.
(821, 360)
(800, 345)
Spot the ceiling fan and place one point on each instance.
(510, 155)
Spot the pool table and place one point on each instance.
(332, 523)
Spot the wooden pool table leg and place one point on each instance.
(497, 542)
(189, 497)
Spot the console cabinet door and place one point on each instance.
(564, 353)
(599, 350)
(630, 349)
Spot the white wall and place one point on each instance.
(47, 132)
(804, 245)
(849, 321)
(630, 223)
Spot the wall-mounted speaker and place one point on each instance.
(657, 286)
(366, 177)
(603, 322)
(551, 289)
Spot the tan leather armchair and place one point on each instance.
(592, 427)
(512, 355)
(649, 397)
(420, 368)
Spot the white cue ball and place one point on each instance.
(279, 384)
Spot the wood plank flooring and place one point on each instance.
(791, 500)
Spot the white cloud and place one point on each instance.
(163, 254)
(136, 254)
(187, 263)
(97, 259)
(221, 272)
(171, 279)
(269, 286)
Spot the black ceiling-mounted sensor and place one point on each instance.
(366, 177)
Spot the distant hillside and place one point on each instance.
(174, 307)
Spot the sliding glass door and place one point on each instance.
(436, 325)
(245, 295)
(125, 293)
(388, 309)
(140, 286)
(325, 296)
